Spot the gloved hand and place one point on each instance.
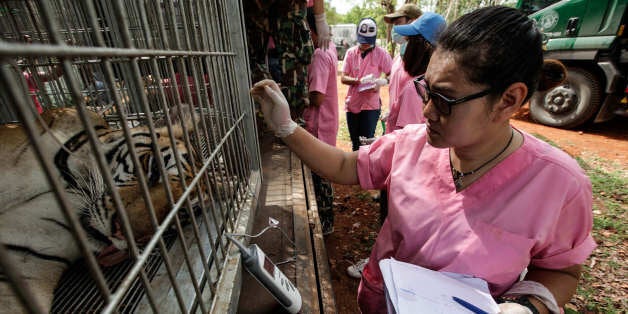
(367, 141)
(369, 78)
(513, 308)
(381, 82)
(322, 30)
(274, 107)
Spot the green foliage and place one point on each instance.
(368, 8)
(333, 17)
(450, 9)
(610, 188)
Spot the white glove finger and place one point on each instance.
(258, 88)
(323, 42)
(266, 106)
(275, 95)
(513, 308)
(263, 82)
(267, 110)
(367, 79)
(381, 81)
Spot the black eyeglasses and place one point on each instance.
(441, 103)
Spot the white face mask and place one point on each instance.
(402, 49)
(399, 39)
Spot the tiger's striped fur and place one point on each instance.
(32, 225)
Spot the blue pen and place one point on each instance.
(469, 306)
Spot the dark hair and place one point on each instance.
(417, 55)
(496, 46)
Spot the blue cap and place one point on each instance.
(367, 31)
(429, 25)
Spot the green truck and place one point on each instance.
(589, 37)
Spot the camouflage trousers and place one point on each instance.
(324, 200)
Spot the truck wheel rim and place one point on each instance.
(560, 100)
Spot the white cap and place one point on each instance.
(367, 31)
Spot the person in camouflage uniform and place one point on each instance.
(280, 47)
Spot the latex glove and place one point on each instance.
(322, 30)
(369, 78)
(513, 308)
(274, 107)
(367, 141)
(381, 81)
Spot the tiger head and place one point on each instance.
(98, 214)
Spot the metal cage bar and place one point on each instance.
(147, 144)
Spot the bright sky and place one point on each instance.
(343, 6)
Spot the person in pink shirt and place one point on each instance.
(469, 193)
(406, 14)
(321, 116)
(363, 68)
(407, 108)
(420, 36)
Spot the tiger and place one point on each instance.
(33, 227)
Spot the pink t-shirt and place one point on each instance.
(376, 62)
(322, 121)
(398, 78)
(533, 208)
(407, 109)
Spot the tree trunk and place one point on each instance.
(389, 7)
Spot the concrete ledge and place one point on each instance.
(298, 248)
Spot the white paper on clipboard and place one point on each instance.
(410, 288)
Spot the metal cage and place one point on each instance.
(146, 114)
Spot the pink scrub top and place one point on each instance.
(398, 78)
(322, 121)
(533, 208)
(406, 109)
(376, 62)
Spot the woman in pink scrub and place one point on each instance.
(407, 14)
(469, 194)
(420, 36)
(406, 107)
(362, 70)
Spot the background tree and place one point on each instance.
(376, 9)
(453, 9)
(333, 17)
(390, 7)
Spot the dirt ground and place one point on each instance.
(356, 213)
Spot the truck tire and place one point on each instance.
(570, 104)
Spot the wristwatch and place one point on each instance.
(519, 299)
